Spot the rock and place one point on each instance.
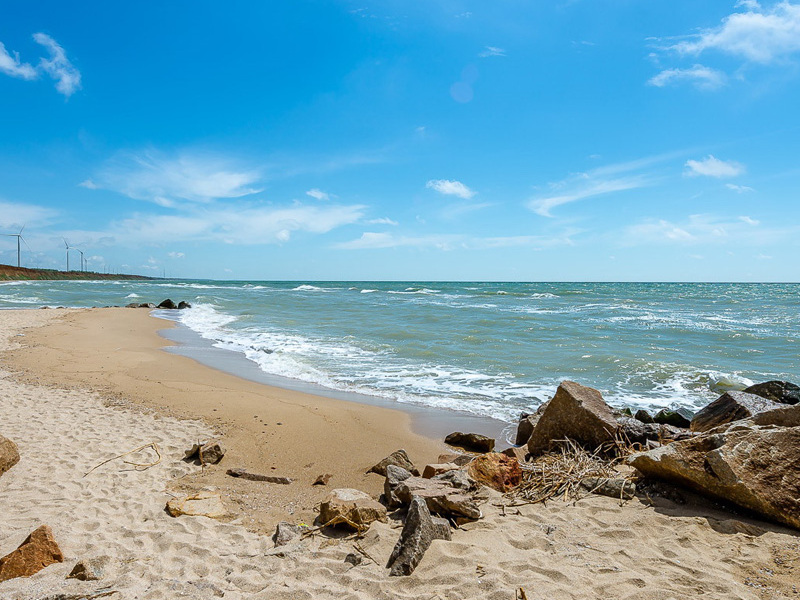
(623, 489)
(322, 479)
(521, 453)
(168, 304)
(147, 305)
(576, 412)
(474, 442)
(643, 416)
(526, 424)
(458, 459)
(640, 433)
(89, 569)
(626, 412)
(437, 469)
(131, 305)
(243, 474)
(351, 508)
(37, 551)
(211, 453)
(677, 418)
(782, 392)
(498, 471)
(748, 465)
(419, 531)
(183, 304)
(394, 476)
(731, 406)
(354, 559)
(201, 504)
(286, 533)
(456, 479)
(9, 454)
(398, 458)
(787, 416)
(441, 498)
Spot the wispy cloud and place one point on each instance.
(450, 188)
(749, 221)
(58, 66)
(11, 65)
(609, 179)
(739, 189)
(492, 51)
(14, 215)
(447, 242)
(176, 254)
(318, 194)
(706, 229)
(168, 180)
(382, 221)
(702, 77)
(711, 166)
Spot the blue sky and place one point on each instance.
(566, 140)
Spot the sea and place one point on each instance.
(485, 349)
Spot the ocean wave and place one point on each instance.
(368, 291)
(311, 288)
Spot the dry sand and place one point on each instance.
(80, 387)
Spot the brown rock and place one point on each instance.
(458, 459)
(398, 458)
(521, 453)
(201, 504)
(211, 453)
(322, 479)
(731, 406)
(748, 465)
(498, 471)
(346, 506)
(475, 442)
(37, 551)
(440, 497)
(431, 471)
(9, 455)
(576, 412)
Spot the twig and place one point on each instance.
(522, 595)
(138, 466)
(361, 550)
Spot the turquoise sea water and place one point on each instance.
(490, 349)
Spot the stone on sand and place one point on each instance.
(398, 458)
(201, 504)
(419, 531)
(440, 497)
(349, 507)
(576, 412)
(498, 471)
(9, 454)
(474, 442)
(89, 569)
(38, 551)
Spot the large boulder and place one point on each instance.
(731, 406)
(498, 471)
(576, 412)
(475, 442)
(782, 392)
(440, 497)
(398, 458)
(168, 304)
(351, 508)
(419, 531)
(752, 466)
(37, 551)
(9, 455)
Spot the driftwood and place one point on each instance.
(137, 466)
(242, 474)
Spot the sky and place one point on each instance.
(538, 140)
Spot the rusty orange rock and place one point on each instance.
(496, 470)
(37, 551)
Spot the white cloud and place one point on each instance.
(11, 65)
(15, 215)
(749, 221)
(707, 229)
(382, 221)
(165, 180)
(58, 66)
(492, 51)
(701, 77)
(544, 205)
(89, 184)
(318, 194)
(757, 35)
(711, 166)
(446, 242)
(739, 189)
(176, 255)
(450, 188)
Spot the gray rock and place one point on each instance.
(89, 569)
(677, 418)
(782, 392)
(526, 424)
(398, 458)
(211, 453)
(748, 465)
(576, 412)
(731, 406)
(167, 304)
(440, 497)
(286, 533)
(354, 559)
(623, 489)
(474, 442)
(419, 531)
(457, 479)
(640, 433)
(394, 476)
(643, 416)
(183, 304)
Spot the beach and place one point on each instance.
(80, 387)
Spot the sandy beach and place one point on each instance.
(78, 387)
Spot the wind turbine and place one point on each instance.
(66, 243)
(19, 237)
(81, 251)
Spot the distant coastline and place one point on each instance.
(9, 273)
